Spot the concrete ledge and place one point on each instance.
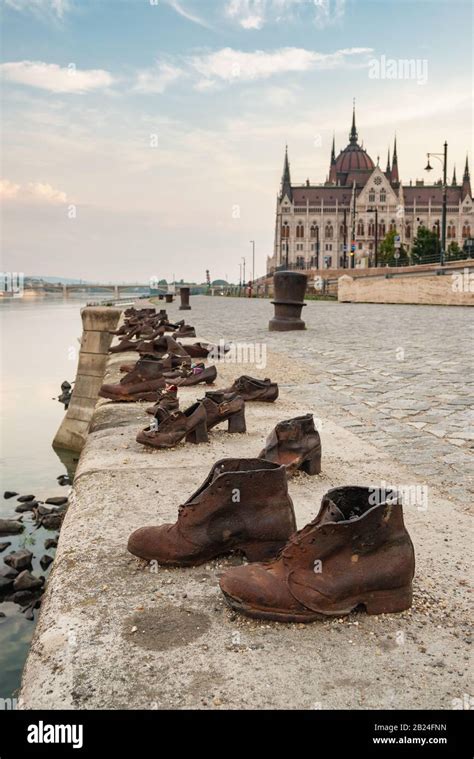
(443, 290)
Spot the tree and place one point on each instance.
(454, 252)
(426, 247)
(387, 251)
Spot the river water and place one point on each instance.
(39, 350)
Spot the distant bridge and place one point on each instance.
(66, 289)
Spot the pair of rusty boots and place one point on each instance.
(356, 552)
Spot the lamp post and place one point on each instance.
(243, 276)
(443, 157)
(376, 241)
(344, 259)
(252, 243)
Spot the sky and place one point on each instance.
(145, 138)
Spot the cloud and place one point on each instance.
(32, 191)
(55, 8)
(185, 13)
(254, 14)
(228, 65)
(157, 80)
(50, 76)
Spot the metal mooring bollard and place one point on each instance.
(169, 297)
(184, 292)
(289, 288)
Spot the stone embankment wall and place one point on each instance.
(451, 289)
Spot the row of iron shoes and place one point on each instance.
(356, 551)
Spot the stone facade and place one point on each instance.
(323, 226)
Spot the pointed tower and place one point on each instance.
(466, 182)
(353, 133)
(394, 173)
(454, 182)
(286, 178)
(332, 166)
(388, 170)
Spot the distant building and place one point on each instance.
(316, 225)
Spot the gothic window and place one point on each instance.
(329, 231)
(451, 231)
(285, 230)
(372, 196)
(299, 230)
(300, 262)
(371, 229)
(382, 229)
(314, 230)
(360, 228)
(341, 230)
(435, 228)
(393, 226)
(378, 180)
(466, 231)
(383, 197)
(407, 231)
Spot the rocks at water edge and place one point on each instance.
(27, 581)
(26, 506)
(52, 521)
(9, 572)
(20, 559)
(4, 546)
(25, 498)
(10, 527)
(9, 494)
(5, 584)
(63, 480)
(57, 500)
(45, 561)
(50, 543)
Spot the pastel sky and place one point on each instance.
(146, 138)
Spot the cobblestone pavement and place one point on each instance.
(399, 376)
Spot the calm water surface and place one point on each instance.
(39, 350)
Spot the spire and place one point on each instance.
(388, 170)
(466, 182)
(353, 132)
(454, 182)
(394, 173)
(286, 179)
(332, 167)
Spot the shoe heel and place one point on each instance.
(237, 422)
(260, 550)
(388, 601)
(198, 434)
(312, 465)
(210, 381)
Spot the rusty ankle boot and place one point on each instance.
(356, 552)
(296, 444)
(190, 424)
(141, 384)
(225, 408)
(243, 505)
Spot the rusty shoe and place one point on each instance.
(167, 400)
(198, 375)
(296, 444)
(185, 330)
(142, 384)
(190, 424)
(243, 505)
(357, 552)
(251, 389)
(225, 408)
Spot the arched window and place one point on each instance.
(383, 197)
(451, 231)
(466, 231)
(314, 231)
(435, 228)
(299, 230)
(341, 230)
(285, 231)
(329, 231)
(371, 195)
(393, 226)
(360, 228)
(382, 229)
(407, 231)
(371, 229)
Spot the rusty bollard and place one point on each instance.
(289, 288)
(184, 293)
(169, 297)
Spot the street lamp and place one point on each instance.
(252, 243)
(376, 241)
(243, 278)
(443, 158)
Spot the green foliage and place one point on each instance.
(454, 252)
(426, 247)
(387, 251)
